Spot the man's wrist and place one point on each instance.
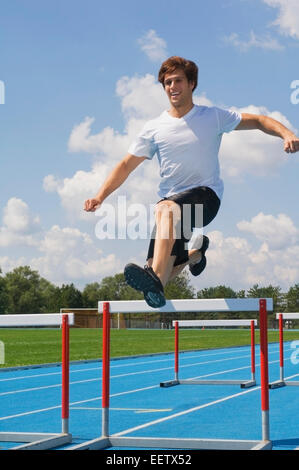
(99, 198)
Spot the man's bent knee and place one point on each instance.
(168, 217)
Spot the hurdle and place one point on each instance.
(44, 441)
(215, 323)
(183, 305)
(282, 382)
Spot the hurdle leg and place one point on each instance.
(281, 358)
(264, 370)
(44, 441)
(106, 370)
(280, 383)
(252, 351)
(252, 382)
(65, 375)
(102, 442)
(171, 383)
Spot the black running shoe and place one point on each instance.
(145, 280)
(197, 268)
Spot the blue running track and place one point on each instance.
(30, 398)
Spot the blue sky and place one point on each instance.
(80, 80)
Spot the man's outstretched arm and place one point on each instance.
(116, 178)
(272, 127)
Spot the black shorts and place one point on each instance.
(199, 206)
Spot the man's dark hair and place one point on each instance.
(174, 63)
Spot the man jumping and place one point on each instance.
(186, 140)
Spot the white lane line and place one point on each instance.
(88, 400)
(25, 413)
(114, 376)
(184, 357)
(182, 413)
(134, 373)
(190, 410)
(112, 366)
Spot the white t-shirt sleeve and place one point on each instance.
(144, 144)
(227, 120)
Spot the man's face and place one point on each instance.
(177, 88)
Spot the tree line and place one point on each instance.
(23, 290)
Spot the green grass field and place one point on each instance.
(40, 346)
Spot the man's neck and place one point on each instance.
(180, 111)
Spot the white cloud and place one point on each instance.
(81, 140)
(60, 241)
(233, 261)
(288, 16)
(253, 152)
(7, 263)
(68, 254)
(17, 216)
(75, 190)
(260, 42)
(287, 22)
(71, 255)
(154, 46)
(18, 224)
(141, 97)
(227, 259)
(278, 232)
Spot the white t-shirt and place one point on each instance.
(187, 148)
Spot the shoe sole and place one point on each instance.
(154, 300)
(137, 278)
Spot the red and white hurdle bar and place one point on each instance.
(214, 323)
(42, 441)
(183, 305)
(282, 382)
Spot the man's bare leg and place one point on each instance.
(194, 257)
(167, 219)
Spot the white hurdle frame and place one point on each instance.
(183, 305)
(282, 382)
(44, 441)
(192, 323)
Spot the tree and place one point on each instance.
(23, 290)
(116, 288)
(3, 295)
(218, 292)
(91, 295)
(51, 297)
(180, 287)
(70, 296)
(292, 299)
(268, 292)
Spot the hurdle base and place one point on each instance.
(175, 443)
(35, 441)
(171, 383)
(283, 383)
(242, 383)
(277, 384)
